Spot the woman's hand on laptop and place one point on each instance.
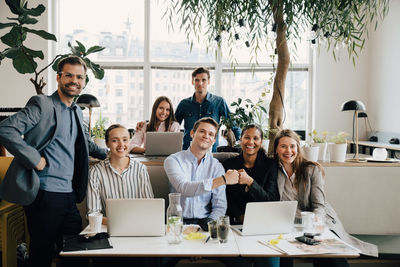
(232, 177)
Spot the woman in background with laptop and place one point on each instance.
(257, 180)
(300, 179)
(162, 120)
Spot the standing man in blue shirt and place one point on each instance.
(201, 104)
(49, 173)
(199, 177)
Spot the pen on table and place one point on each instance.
(208, 238)
(272, 247)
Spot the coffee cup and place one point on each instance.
(95, 220)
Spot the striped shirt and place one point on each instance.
(105, 182)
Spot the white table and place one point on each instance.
(159, 247)
(246, 246)
(249, 246)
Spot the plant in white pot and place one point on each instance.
(338, 147)
(310, 151)
(99, 131)
(320, 141)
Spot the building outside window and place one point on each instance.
(165, 69)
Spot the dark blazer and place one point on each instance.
(311, 197)
(25, 134)
(264, 187)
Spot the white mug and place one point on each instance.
(379, 154)
(95, 220)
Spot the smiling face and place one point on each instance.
(118, 142)
(71, 80)
(251, 141)
(204, 136)
(287, 150)
(163, 110)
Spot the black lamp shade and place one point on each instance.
(353, 105)
(87, 101)
(362, 115)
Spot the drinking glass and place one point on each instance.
(223, 229)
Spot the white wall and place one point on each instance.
(384, 78)
(15, 88)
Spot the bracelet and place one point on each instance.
(223, 177)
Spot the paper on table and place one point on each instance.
(327, 246)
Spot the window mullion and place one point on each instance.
(147, 67)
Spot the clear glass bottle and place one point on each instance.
(174, 219)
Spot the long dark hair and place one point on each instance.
(300, 163)
(151, 127)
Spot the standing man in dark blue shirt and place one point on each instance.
(201, 104)
(49, 173)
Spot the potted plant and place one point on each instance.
(310, 152)
(319, 140)
(246, 112)
(24, 59)
(338, 147)
(99, 131)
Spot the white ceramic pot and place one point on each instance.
(100, 142)
(311, 153)
(323, 148)
(338, 152)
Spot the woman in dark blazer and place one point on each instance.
(300, 179)
(257, 181)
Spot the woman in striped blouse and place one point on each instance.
(162, 120)
(118, 176)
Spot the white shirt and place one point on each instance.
(105, 182)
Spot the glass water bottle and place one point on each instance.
(174, 219)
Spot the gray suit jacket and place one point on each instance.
(25, 134)
(311, 198)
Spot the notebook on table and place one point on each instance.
(265, 218)
(135, 217)
(163, 143)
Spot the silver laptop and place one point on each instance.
(265, 218)
(135, 217)
(163, 143)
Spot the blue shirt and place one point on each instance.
(60, 154)
(191, 111)
(194, 182)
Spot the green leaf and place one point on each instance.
(96, 69)
(13, 38)
(24, 63)
(37, 11)
(73, 49)
(33, 53)
(95, 49)
(5, 25)
(41, 33)
(14, 6)
(25, 19)
(10, 52)
(81, 48)
(55, 64)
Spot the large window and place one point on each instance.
(144, 60)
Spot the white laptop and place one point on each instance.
(135, 217)
(163, 143)
(265, 218)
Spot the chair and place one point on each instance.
(13, 227)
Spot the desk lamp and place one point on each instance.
(357, 106)
(88, 101)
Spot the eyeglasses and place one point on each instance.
(68, 75)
